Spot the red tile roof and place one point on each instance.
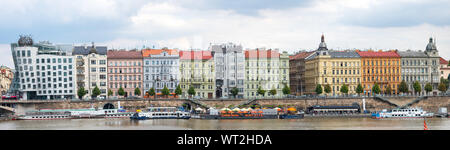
(377, 54)
(148, 52)
(195, 55)
(443, 61)
(262, 54)
(122, 54)
(300, 55)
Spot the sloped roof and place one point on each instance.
(195, 55)
(262, 54)
(122, 54)
(300, 55)
(82, 50)
(443, 61)
(411, 54)
(343, 54)
(377, 54)
(148, 52)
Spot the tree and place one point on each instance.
(445, 81)
(376, 89)
(442, 87)
(327, 89)
(234, 91)
(151, 92)
(121, 92)
(261, 91)
(273, 92)
(286, 90)
(417, 87)
(403, 87)
(344, 89)
(110, 92)
(165, 91)
(388, 90)
(359, 89)
(191, 91)
(428, 88)
(81, 92)
(319, 89)
(137, 91)
(178, 90)
(96, 92)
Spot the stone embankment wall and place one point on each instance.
(431, 104)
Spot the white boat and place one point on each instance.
(161, 113)
(403, 113)
(45, 115)
(51, 114)
(116, 113)
(101, 113)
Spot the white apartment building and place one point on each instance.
(91, 65)
(161, 68)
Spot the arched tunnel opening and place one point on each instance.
(108, 106)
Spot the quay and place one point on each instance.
(371, 104)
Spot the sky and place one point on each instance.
(289, 25)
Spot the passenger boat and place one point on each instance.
(402, 113)
(161, 113)
(117, 113)
(45, 115)
(242, 114)
(51, 114)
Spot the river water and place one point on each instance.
(197, 124)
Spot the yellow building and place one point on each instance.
(197, 70)
(334, 68)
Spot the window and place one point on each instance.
(102, 62)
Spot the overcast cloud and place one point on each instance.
(289, 25)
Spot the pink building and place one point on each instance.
(125, 70)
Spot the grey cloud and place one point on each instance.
(399, 14)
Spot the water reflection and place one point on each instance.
(195, 124)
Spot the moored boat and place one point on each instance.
(402, 113)
(45, 115)
(161, 113)
(237, 113)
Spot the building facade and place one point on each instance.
(417, 66)
(43, 71)
(265, 69)
(229, 66)
(333, 68)
(6, 78)
(444, 68)
(161, 68)
(197, 69)
(91, 65)
(433, 65)
(125, 71)
(381, 67)
(297, 73)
